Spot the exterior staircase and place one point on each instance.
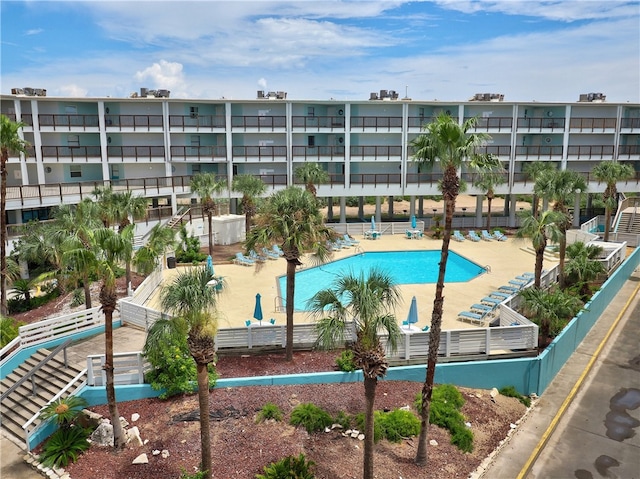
(21, 404)
(629, 221)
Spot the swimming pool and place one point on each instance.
(405, 267)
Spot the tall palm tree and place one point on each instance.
(583, 265)
(534, 170)
(251, 187)
(448, 143)
(161, 238)
(104, 256)
(10, 142)
(540, 229)
(368, 301)
(561, 188)
(610, 172)
(311, 174)
(192, 301)
(487, 181)
(206, 185)
(292, 219)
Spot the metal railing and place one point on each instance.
(69, 121)
(376, 122)
(197, 121)
(311, 122)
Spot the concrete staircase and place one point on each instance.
(629, 221)
(21, 404)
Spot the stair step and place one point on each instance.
(13, 429)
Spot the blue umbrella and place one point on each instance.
(373, 224)
(210, 264)
(414, 223)
(412, 318)
(257, 311)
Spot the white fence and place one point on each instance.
(128, 368)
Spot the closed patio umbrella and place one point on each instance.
(257, 311)
(210, 264)
(412, 317)
(414, 223)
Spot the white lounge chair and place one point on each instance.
(243, 260)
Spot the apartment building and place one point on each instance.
(153, 144)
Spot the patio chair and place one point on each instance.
(482, 308)
(458, 236)
(473, 236)
(270, 254)
(511, 290)
(500, 294)
(499, 236)
(486, 236)
(349, 239)
(470, 317)
(408, 234)
(256, 257)
(243, 260)
(491, 301)
(343, 243)
(277, 250)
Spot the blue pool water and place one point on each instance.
(405, 267)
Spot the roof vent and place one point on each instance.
(487, 97)
(593, 97)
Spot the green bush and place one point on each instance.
(378, 432)
(311, 417)
(196, 475)
(77, 297)
(446, 402)
(343, 419)
(269, 411)
(9, 329)
(397, 424)
(345, 361)
(64, 446)
(190, 250)
(18, 305)
(511, 392)
(290, 467)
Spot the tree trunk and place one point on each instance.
(3, 232)
(86, 285)
(210, 220)
(119, 440)
(607, 222)
(205, 431)
(370, 397)
(534, 205)
(538, 267)
(489, 200)
(434, 335)
(563, 253)
(291, 287)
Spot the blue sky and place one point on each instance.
(445, 50)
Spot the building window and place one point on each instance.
(311, 140)
(193, 111)
(73, 141)
(75, 171)
(311, 111)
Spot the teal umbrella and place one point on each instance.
(210, 264)
(412, 318)
(373, 224)
(257, 311)
(414, 223)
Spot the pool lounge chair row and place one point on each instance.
(274, 253)
(473, 236)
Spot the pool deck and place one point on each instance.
(507, 259)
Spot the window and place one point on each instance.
(71, 109)
(195, 169)
(311, 111)
(75, 171)
(311, 140)
(193, 111)
(73, 141)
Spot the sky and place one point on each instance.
(443, 50)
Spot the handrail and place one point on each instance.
(38, 366)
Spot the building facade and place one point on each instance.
(154, 144)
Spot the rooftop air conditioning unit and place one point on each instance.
(260, 94)
(144, 92)
(163, 93)
(17, 91)
(373, 95)
(29, 91)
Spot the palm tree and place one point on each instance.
(251, 187)
(487, 181)
(583, 265)
(104, 256)
(206, 185)
(368, 301)
(450, 144)
(292, 219)
(10, 142)
(540, 229)
(610, 172)
(311, 174)
(534, 170)
(161, 238)
(192, 301)
(561, 187)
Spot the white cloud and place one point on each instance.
(72, 91)
(34, 31)
(163, 74)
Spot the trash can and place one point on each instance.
(171, 262)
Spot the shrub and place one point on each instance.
(77, 297)
(345, 361)
(64, 446)
(9, 329)
(397, 424)
(196, 475)
(311, 417)
(269, 411)
(343, 419)
(378, 432)
(290, 467)
(511, 392)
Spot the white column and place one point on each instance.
(343, 209)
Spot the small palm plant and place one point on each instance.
(70, 440)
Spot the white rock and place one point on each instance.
(156, 452)
(327, 429)
(494, 393)
(360, 437)
(135, 416)
(103, 435)
(468, 424)
(141, 459)
(512, 426)
(133, 435)
(336, 426)
(355, 434)
(433, 442)
(348, 431)
(165, 453)
(406, 408)
(146, 441)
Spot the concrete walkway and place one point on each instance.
(555, 441)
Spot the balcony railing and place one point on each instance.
(473, 177)
(335, 179)
(592, 124)
(624, 122)
(274, 179)
(598, 152)
(628, 151)
(495, 150)
(206, 152)
(310, 122)
(133, 121)
(384, 152)
(267, 152)
(420, 121)
(259, 122)
(73, 152)
(318, 152)
(539, 152)
(492, 123)
(376, 122)
(430, 179)
(196, 121)
(541, 123)
(137, 152)
(375, 179)
(69, 121)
